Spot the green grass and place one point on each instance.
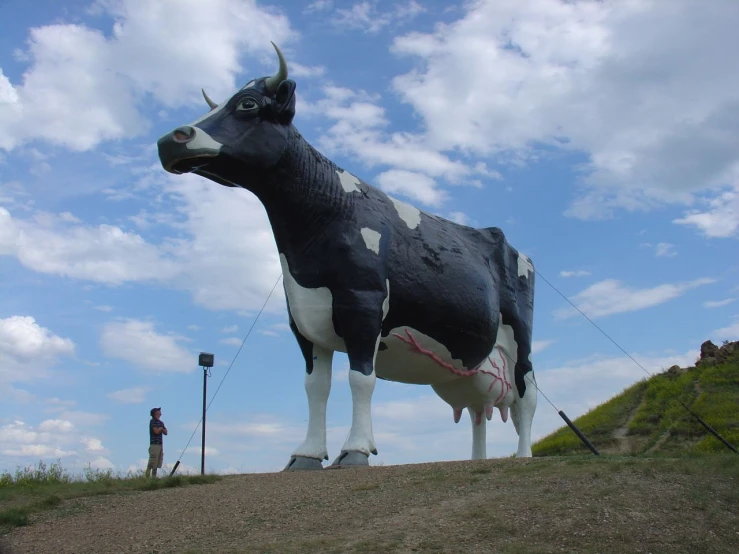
(598, 425)
(34, 489)
(711, 392)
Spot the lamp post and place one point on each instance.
(206, 362)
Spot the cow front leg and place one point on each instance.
(362, 338)
(479, 425)
(313, 451)
(361, 442)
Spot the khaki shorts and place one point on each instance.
(156, 456)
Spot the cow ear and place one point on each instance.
(284, 102)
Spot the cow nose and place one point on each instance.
(183, 134)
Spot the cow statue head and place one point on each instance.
(246, 133)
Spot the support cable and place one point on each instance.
(691, 412)
(226, 374)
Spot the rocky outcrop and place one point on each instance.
(675, 370)
(713, 355)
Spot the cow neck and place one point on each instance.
(303, 195)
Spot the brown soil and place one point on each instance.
(625, 444)
(503, 505)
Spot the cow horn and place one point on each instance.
(210, 102)
(273, 82)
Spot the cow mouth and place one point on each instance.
(188, 165)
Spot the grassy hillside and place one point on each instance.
(647, 419)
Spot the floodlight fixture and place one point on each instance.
(205, 359)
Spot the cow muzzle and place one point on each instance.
(186, 149)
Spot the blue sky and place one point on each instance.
(600, 136)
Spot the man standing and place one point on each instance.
(156, 448)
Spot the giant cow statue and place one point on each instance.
(409, 296)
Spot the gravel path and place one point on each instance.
(483, 506)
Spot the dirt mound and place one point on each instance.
(586, 504)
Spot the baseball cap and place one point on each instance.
(151, 412)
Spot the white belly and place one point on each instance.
(403, 362)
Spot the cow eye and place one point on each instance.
(246, 105)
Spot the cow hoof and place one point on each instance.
(298, 463)
(351, 459)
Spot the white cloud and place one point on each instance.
(662, 249)
(209, 451)
(340, 371)
(275, 330)
(103, 253)
(357, 130)
(721, 220)
(366, 17)
(83, 87)
(83, 419)
(665, 249)
(730, 332)
(56, 426)
(459, 217)
(101, 463)
(300, 70)
(8, 94)
(93, 445)
(232, 341)
(137, 342)
(56, 404)
(37, 451)
(717, 303)
(135, 395)
(219, 272)
(603, 78)
(415, 186)
(50, 439)
(16, 395)
(230, 329)
(262, 427)
(69, 71)
(612, 297)
(319, 5)
(28, 350)
(577, 273)
(539, 345)
(104, 308)
(14, 195)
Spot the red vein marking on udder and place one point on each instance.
(499, 375)
(506, 385)
(421, 350)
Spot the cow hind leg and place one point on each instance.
(523, 415)
(479, 425)
(310, 454)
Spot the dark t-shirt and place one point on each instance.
(154, 438)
